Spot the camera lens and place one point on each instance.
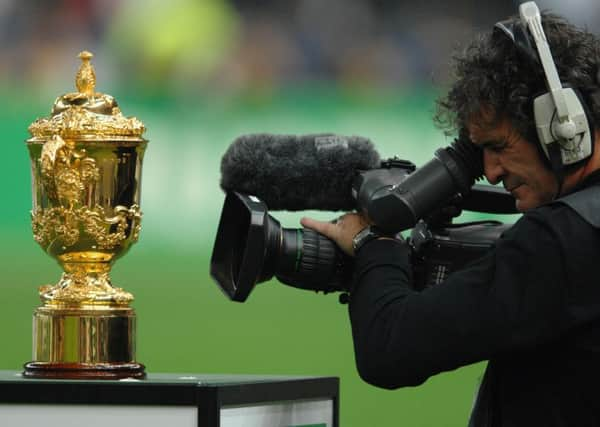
(251, 247)
(318, 263)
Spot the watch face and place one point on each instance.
(362, 237)
(362, 233)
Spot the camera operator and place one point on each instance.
(531, 305)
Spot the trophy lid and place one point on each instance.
(86, 114)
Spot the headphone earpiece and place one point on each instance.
(573, 136)
(563, 125)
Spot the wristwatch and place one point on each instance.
(365, 235)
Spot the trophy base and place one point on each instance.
(80, 371)
(85, 342)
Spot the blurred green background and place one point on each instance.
(185, 323)
(199, 73)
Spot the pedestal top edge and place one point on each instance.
(193, 379)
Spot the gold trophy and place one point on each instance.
(86, 166)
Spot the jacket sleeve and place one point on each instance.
(511, 298)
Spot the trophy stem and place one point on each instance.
(85, 283)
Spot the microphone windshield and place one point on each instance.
(293, 173)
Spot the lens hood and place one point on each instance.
(239, 249)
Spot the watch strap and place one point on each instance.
(364, 236)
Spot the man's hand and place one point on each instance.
(341, 231)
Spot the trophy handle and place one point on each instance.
(67, 173)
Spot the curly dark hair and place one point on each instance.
(491, 72)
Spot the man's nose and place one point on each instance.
(492, 167)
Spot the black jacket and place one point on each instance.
(531, 306)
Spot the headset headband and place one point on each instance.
(514, 30)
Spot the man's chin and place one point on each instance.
(520, 206)
(522, 202)
(526, 203)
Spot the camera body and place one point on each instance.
(438, 251)
(251, 246)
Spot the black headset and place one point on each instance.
(564, 127)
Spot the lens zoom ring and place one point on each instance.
(318, 253)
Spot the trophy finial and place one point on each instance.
(86, 76)
(86, 113)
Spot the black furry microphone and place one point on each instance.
(294, 173)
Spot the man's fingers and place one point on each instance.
(326, 228)
(341, 231)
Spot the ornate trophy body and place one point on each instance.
(86, 164)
